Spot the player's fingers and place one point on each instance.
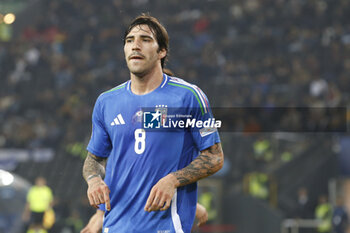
(100, 197)
(158, 201)
(95, 200)
(154, 204)
(202, 220)
(91, 200)
(107, 200)
(149, 200)
(162, 201)
(167, 205)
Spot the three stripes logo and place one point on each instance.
(118, 120)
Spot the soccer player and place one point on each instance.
(150, 185)
(96, 221)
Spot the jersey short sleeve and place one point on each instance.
(100, 143)
(206, 135)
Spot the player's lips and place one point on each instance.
(136, 56)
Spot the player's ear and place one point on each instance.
(162, 53)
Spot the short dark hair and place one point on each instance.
(157, 29)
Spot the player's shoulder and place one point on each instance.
(113, 91)
(188, 89)
(183, 85)
(190, 93)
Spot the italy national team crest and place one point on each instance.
(163, 109)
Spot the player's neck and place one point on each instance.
(141, 85)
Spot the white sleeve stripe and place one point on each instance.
(203, 95)
(195, 89)
(174, 215)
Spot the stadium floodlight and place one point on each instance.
(6, 178)
(9, 18)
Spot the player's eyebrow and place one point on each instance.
(146, 37)
(142, 36)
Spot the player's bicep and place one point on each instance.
(214, 156)
(100, 143)
(214, 150)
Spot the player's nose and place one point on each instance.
(136, 45)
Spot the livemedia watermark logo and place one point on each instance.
(154, 120)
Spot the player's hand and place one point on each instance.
(201, 215)
(98, 193)
(161, 194)
(90, 229)
(87, 230)
(95, 223)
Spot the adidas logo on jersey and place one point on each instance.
(118, 120)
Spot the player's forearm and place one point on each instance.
(207, 163)
(99, 220)
(94, 165)
(96, 221)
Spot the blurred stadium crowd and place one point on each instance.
(244, 53)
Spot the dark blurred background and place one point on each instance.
(57, 56)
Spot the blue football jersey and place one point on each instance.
(138, 158)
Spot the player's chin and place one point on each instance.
(136, 64)
(138, 71)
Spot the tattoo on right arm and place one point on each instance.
(94, 165)
(207, 163)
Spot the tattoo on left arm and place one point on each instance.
(207, 163)
(94, 165)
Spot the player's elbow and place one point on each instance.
(219, 162)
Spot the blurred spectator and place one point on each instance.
(257, 185)
(323, 213)
(39, 200)
(262, 150)
(305, 209)
(340, 219)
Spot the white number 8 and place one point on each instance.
(140, 141)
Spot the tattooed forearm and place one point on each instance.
(207, 163)
(94, 165)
